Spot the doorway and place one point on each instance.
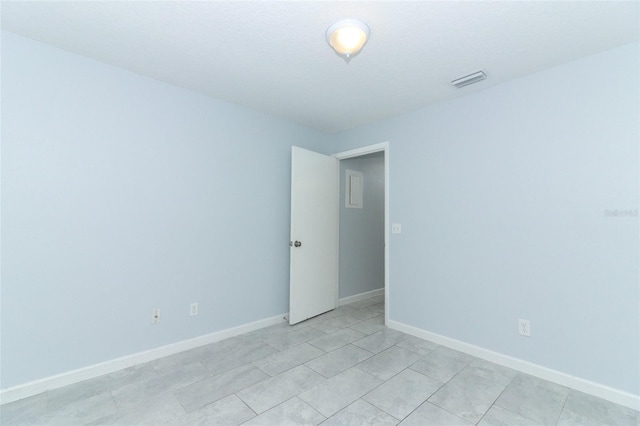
(363, 264)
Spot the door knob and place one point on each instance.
(297, 244)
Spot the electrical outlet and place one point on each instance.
(194, 309)
(155, 316)
(524, 327)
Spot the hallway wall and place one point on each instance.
(362, 230)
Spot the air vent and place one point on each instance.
(469, 79)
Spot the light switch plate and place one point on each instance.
(396, 228)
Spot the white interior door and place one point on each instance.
(314, 234)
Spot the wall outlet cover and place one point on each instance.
(524, 327)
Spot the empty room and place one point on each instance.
(320, 212)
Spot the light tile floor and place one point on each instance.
(341, 368)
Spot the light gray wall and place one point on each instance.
(502, 196)
(362, 230)
(121, 194)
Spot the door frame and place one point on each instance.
(358, 152)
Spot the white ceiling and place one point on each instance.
(272, 56)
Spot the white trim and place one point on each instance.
(70, 377)
(370, 149)
(605, 392)
(361, 296)
(364, 150)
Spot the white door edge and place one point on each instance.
(357, 152)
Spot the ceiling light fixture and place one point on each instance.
(347, 37)
(469, 79)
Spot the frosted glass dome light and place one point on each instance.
(347, 37)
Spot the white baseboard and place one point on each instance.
(361, 296)
(605, 392)
(38, 386)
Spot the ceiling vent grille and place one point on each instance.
(469, 79)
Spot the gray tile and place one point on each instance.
(60, 397)
(161, 409)
(360, 413)
(498, 416)
(139, 393)
(229, 411)
(337, 323)
(583, 409)
(206, 391)
(442, 364)
(403, 393)
(346, 309)
(337, 339)
(365, 303)
(83, 411)
(296, 337)
(231, 344)
(417, 345)
(534, 399)
(429, 414)
(364, 314)
(390, 362)
(467, 395)
(339, 360)
(381, 340)
(127, 376)
(24, 411)
(275, 330)
(238, 356)
(287, 359)
(338, 392)
(293, 412)
(491, 371)
(370, 326)
(321, 318)
(181, 375)
(379, 307)
(271, 392)
(187, 357)
(180, 359)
